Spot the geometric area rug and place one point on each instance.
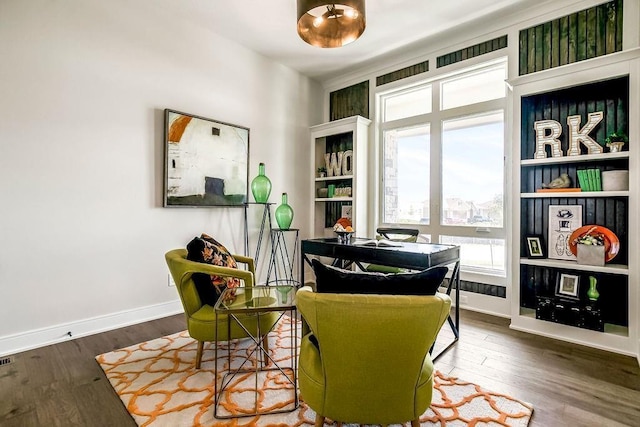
(160, 387)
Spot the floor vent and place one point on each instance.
(5, 361)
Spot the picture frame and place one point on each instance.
(563, 220)
(568, 286)
(535, 247)
(206, 162)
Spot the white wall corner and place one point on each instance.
(12, 344)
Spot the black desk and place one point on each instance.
(413, 256)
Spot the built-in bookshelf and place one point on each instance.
(607, 84)
(345, 143)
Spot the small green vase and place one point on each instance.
(284, 214)
(261, 186)
(593, 293)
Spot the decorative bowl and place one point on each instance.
(344, 236)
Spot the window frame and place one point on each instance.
(435, 119)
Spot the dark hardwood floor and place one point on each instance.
(568, 385)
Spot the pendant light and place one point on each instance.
(325, 24)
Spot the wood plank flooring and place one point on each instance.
(568, 385)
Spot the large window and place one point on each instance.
(406, 175)
(443, 168)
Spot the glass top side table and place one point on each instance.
(257, 301)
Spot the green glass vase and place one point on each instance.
(284, 214)
(593, 293)
(261, 186)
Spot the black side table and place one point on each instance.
(284, 249)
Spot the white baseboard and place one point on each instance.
(17, 343)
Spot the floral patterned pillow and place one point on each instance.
(208, 250)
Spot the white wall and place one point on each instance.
(83, 86)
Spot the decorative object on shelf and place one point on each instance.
(331, 190)
(322, 172)
(333, 162)
(563, 220)
(346, 211)
(535, 247)
(563, 181)
(548, 133)
(615, 141)
(323, 192)
(579, 136)
(596, 233)
(261, 186)
(284, 214)
(593, 293)
(195, 144)
(327, 24)
(343, 190)
(590, 254)
(543, 138)
(347, 163)
(615, 180)
(568, 286)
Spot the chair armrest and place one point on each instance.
(244, 275)
(305, 326)
(246, 260)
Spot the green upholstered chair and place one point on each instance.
(201, 318)
(366, 359)
(398, 235)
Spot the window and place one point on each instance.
(473, 87)
(442, 169)
(472, 170)
(406, 175)
(408, 103)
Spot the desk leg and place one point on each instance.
(453, 324)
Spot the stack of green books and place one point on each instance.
(589, 179)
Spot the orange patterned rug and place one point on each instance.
(159, 385)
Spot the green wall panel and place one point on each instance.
(403, 73)
(582, 35)
(472, 51)
(350, 101)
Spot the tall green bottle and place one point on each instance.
(261, 186)
(284, 214)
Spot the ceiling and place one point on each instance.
(269, 27)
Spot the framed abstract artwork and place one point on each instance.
(563, 219)
(206, 162)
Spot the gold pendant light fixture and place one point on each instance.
(325, 24)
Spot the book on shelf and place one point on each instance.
(582, 179)
(381, 243)
(598, 184)
(589, 179)
(557, 190)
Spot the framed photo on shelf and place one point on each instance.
(563, 219)
(535, 248)
(206, 162)
(568, 286)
